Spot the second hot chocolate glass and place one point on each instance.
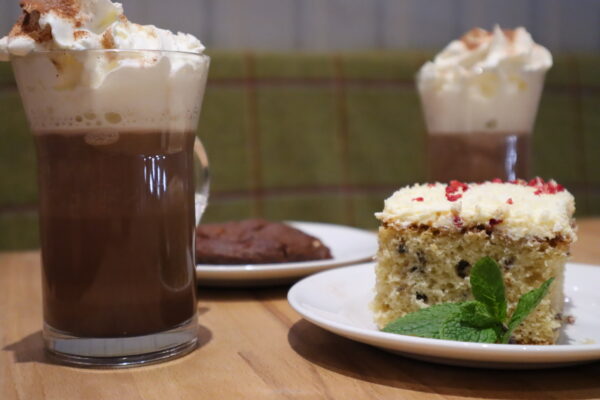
(473, 138)
(480, 97)
(122, 182)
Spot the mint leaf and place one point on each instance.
(476, 314)
(487, 286)
(455, 328)
(527, 303)
(425, 322)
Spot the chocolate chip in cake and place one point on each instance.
(507, 262)
(402, 248)
(421, 296)
(416, 268)
(421, 258)
(463, 268)
(558, 317)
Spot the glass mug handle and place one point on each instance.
(201, 179)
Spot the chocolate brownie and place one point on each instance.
(256, 241)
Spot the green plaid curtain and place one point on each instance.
(323, 137)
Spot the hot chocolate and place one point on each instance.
(478, 157)
(480, 96)
(132, 227)
(113, 106)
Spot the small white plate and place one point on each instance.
(338, 301)
(348, 246)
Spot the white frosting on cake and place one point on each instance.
(485, 82)
(66, 88)
(515, 210)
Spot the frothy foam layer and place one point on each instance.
(162, 95)
(74, 71)
(486, 82)
(143, 91)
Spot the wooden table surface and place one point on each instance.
(254, 346)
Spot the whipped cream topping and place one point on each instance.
(539, 210)
(86, 24)
(484, 82)
(67, 89)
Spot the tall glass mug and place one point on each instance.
(123, 181)
(480, 98)
(482, 130)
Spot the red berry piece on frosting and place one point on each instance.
(542, 187)
(455, 190)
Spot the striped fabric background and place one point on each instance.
(323, 25)
(322, 137)
(327, 132)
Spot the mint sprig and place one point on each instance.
(455, 328)
(481, 320)
(487, 287)
(426, 322)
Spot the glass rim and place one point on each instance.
(83, 51)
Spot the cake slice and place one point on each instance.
(431, 235)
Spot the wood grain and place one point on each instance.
(254, 346)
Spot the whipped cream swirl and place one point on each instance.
(86, 24)
(68, 83)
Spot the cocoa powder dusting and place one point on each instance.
(475, 37)
(64, 8)
(510, 34)
(28, 24)
(108, 41)
(80, 34)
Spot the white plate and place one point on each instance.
(348, 246)
(338, 301)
